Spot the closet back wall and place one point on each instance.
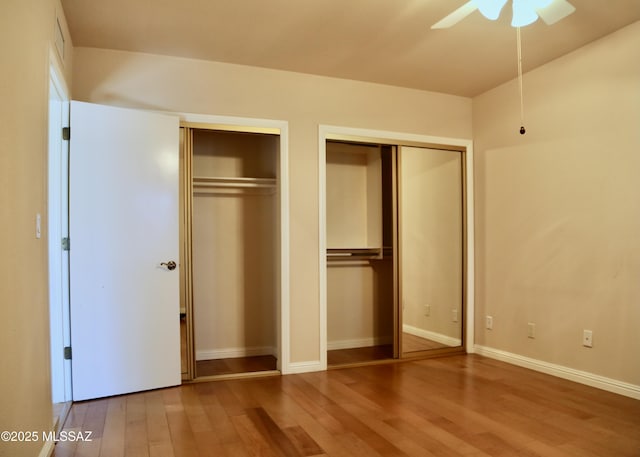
(185, 85)
(235, 248)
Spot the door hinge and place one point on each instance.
(66, 133)
(66, 244)
(67, 352)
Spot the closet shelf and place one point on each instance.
(216, 184)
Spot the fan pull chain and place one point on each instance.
(519, 42)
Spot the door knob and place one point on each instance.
(171, 265)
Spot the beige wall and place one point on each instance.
(26, 30)
(305, 101)
(359, 303)
(558, 210)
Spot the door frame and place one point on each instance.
(331, 132)
(241, 124)
(57, 229)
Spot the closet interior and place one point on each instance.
(231, 248)
(395, 251)
(360, 252)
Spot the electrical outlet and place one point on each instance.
(427, 310)
(454, 315)
(489, 322)
(587, 338)
(531, 330)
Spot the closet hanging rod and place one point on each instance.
(355, 253)
(213, 182)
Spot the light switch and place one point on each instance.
(38, 225)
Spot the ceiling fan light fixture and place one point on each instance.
(490, 8)
(524, 13)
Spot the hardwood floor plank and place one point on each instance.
(90, 417)
(312, 402)
(312, 419)
(208, 444)
(113, 438)
(447, 407)
(436, 441)
(306, 445)
(379, 425)
(158, 434)
(273, 434)
(136, 439)
(95, 416)
(225, 432)
(161, 449)
(89, 449)
(74, 422)
(76, 415)
(236, 449)
(269, 393)
(357, 427)
(182, 438)
(254, 441)
(194, 410)
(228, 399)
(355, 446)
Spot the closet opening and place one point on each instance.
(361, 261)
(396, 249)
(230, 309)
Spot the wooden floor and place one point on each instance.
(454, 406)
(236, 365)
(358, 355)
(410, 343)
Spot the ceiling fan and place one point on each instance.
(525, 12)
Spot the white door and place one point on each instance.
(123, 226)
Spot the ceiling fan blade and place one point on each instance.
(456, 16)
(558, 9)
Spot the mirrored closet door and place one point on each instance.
(395, 251)
(430, 234)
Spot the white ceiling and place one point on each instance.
(383, 41)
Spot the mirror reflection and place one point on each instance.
(395, 260)
(431, 248)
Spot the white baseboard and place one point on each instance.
(47, 449)
(358, 343)
(229, 353)
(433, 336)
(304, 367)
(582, 377)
